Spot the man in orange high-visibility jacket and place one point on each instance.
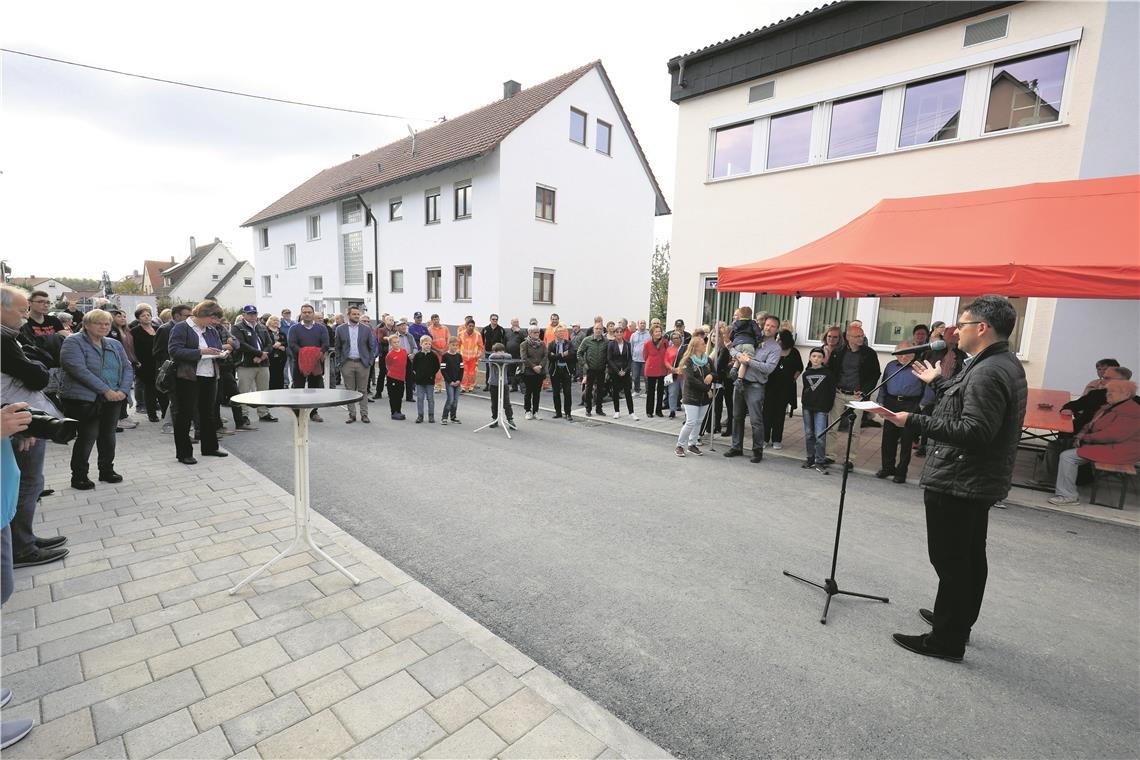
(471, 349)
(439, 337)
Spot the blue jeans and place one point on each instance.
(422, 392)
(31, 463)
(814, 440)
(637, 375)
(673, 394)
(7, 581)
(451, 402)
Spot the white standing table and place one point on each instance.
(300, 401)
(501, 419)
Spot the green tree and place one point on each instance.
(127, 286)
(659, 282)
(80, 283)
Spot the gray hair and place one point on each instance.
(7, 292)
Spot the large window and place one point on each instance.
(350, 212)
(578, 126)
(789, 139)
(542, 286)
(897, 318)
(463, 199)
(396, 280)
(314, 227)
(931, 110)
(434, 283)
(732, 152)
(826, 312)
(463, 283)
(602, 143)
(1026, 91)
(431, 206)
(782, 306)
(353, 245)
(855, 126)
(290, 256)
(1019, 305)
(544, 203)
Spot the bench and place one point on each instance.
(1123, 473)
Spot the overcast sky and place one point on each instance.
(102, 171)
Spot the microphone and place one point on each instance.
(934, 345)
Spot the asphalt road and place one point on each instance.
(653, 584)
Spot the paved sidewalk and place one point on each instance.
(132, 646)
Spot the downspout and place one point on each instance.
(370, 218)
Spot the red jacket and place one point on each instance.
(654, 354)
(396, 363)
(1113, 437)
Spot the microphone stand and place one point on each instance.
(830, 586)
(707, 424)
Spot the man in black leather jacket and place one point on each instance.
(974, 432)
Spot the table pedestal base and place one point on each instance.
(302, 537)
(501, 420)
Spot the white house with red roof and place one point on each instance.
(210, 271)
(539, 202)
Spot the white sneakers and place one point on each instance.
(617, 415)
(528, 416)
(634, 417)
(777, 445)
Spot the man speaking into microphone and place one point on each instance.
(974, 431)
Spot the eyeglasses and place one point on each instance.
(38, 300)
(960, 325)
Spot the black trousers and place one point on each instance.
(560, 383)
(196, 398)
(595, 388)
(722, 400)
(301, 380)
(96, 429)
(896, 440)
(395, 395)
(956, 541)
(409, 388)
(655, 395)
(145, 374)
(532, 386)
(775, 405)
(494, 390)
(622, 384)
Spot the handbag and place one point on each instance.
(164, 378)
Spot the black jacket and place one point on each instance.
(513, 340)
(25, 363)
(425, 365)
(246, 350)
(694, 391)
(162, 343)
(619, 359)
(451, 365)
(975, 427)
(570, 359)
(819, 389)
(868, 367)
(493, 335)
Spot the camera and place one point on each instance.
(55, 429)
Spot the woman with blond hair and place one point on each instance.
(696, 377)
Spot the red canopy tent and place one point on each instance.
(1075, 239)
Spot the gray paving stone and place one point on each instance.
(156, 583)
(380, 610)
(219, 566)
(437, 637)
(267, 583)
(264, 721)
(190, 544)
(384, 663)
(517, 714)
(233, 668)
(335, 603)
(290, 677)
(555, 737)
(373, 588)
(189, 656)
(195, 591)
(20, 622)
(90, 582)
(137, 607)
(112, 749)
(333, 581)
(81, 642)
(17, 661)
(160, 565)
(272, 625)
(35, 682)
(321, 735)
(64, 701)
(92, 534)
(405, 738)
(443, 671)
(494, 686)
(272, 602)
(49, 574)
(211, 745)
(130, 650)
(58, 738)
(210, 623)
(133, 527)
(164, 616)
(234, 701)
(456, 709)
(124, 712)
(327, 691)
(366, 643)
(409, 624)
(143, 552)
(28, 599)
(379, 706)
(160, 734)
(53, 612)
(474, 740)
(318, 634)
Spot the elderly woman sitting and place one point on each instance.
(96, 376)
(1112, 436)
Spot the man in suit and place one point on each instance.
(252, 357)
(563, 361)
(356, 347)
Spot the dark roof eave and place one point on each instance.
(370, 188)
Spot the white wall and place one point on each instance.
(200, 280)
(601, 243)
(320, 257)
(1085, 331)
(236, 293)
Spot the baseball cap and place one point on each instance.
(249, 309)
(678, 323)
(418, 315)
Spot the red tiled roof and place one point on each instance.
(464, 137)
(152, 271)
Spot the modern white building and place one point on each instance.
(211, 271)
(539, 202)
(789, 132)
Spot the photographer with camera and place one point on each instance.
(97, 375)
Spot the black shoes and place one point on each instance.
(900, 477)
(734, 453)
(884, 473)
(38, 556)
(808, 464)
(110, 476)
(51, 543)
(82, 483)
(693, 449)
(268, 418)
(925, 645)
(928, 618)
(214, 454)
(187, 460)
(757, 456)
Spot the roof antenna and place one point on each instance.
(412, 132)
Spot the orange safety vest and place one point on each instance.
(470, 346)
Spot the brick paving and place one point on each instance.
(133, 647)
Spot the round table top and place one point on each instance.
(298, 398)
(502, 361)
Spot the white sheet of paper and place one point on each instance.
(869, 406)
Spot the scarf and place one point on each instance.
(700, 361)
